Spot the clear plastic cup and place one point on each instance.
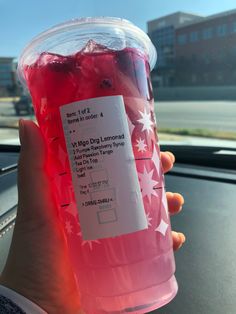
(90, 84)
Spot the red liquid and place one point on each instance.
(128, 273)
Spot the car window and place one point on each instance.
(194, 86)
(193, 80)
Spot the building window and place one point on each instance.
(207, 33)
(161, 23)
(221, 30)
(5, 83)
(5, 67)
(193, 37)
(182, 39)
(234, 27)
(5, 75)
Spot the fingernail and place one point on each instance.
(182, 237)
(172, 156)
(21, 131)
(170, 194)
(180, 198)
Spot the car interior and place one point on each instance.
(194, 85)
(205, 268)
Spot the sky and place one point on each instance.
(21, 20)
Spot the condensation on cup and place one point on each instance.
(89, 80)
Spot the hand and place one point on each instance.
(175, 200)
(38, 265)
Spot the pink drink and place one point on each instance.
(131, 271)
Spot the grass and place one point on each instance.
(224, 135)
(9, 99)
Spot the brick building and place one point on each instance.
(162, 32)
(205, 51)
(201, 52)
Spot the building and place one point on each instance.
(195, 50)
(206, 51)
(7, 76)
(162, 32)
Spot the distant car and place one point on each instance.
(23, 106)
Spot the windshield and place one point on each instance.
(194, 79)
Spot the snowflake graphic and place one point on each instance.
(146, 121)
(131, 126)
(156, 160)
(162, 227)
(147, 184)
(149, 219)
(164, 202)
(90, 243)
(141, 145)
(69, 227)
(72, 209)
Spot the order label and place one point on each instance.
(103, 167)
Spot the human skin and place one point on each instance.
(38, 265)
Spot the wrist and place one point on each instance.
(10, 299)
(51, 302)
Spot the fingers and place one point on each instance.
(167, 160)
(175, 202)
(178, 240)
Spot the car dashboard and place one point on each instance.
(206, 267)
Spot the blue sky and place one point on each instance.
(21, 20)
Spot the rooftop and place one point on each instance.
(183, 19)
(210, 17)
(178, 13)
(6, 59)
(175, 19)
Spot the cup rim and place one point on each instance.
(86, 22)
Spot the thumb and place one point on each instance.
(34, 188)
(38, 265)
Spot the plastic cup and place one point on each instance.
(90, 84)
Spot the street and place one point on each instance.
(217, 115)
(6, 109)
(9, 123)
(8, 117)
(213, 115)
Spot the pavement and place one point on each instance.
(9, 122)
(9, 136)
(171, 139)
(213, 115)
(220, 115)
(8, 117)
